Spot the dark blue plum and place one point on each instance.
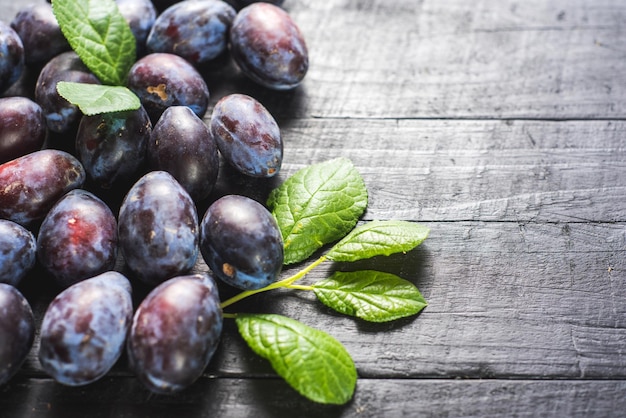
(268, 46)
(31, 184)
(247, 135)
(77, 238)
(161, 80)
(17, 252)
(195, 30)
(40, 33)
(182, 144)
(84, 329)
(22, 127)
(158, 228)
(140, 15)
(175, 332)
(112, 146)
(241, 243)
(61, 114)
(12, 62)
(17, 331)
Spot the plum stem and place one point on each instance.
(285, 283)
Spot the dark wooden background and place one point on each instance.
(500, 125)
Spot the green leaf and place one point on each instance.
(378, 238)
(100, 35)
(370, 295)
(93, 99)
(318, 205)
(311, 361)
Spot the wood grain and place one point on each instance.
(518, 171)
(270, 398)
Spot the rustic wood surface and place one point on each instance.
(498, 124)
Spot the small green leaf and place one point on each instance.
(100, 35)
(311, 361)
(378, 238)
(93, 99)
(370, 295)
(318, 205)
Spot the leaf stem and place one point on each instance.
(288, 282)
(300, 287)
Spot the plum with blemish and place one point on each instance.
(241, 243)
(161, 80)
(247, 135)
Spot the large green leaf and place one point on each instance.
(93, 99)
(378, 238)
(311, 361)
(318, 205)
(370, 295)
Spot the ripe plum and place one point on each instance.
(247, 135)
(12, 62)
(241, 243)
(175, 331)
(17, 252)
(77, 238)
(61, 114)
(31, 184)
(84, 329)
(112, 146)
(195, 30)
(40, 33)
(182, 144)
(268, 46)
(22, 127)
(158, 228)
(161, 80)
(17, 331)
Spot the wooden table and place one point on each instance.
(498, 124)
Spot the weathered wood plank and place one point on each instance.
(519, 171)
(454, 58)
(271, 398)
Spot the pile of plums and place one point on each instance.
(163, 158)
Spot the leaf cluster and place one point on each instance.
(316, 206)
